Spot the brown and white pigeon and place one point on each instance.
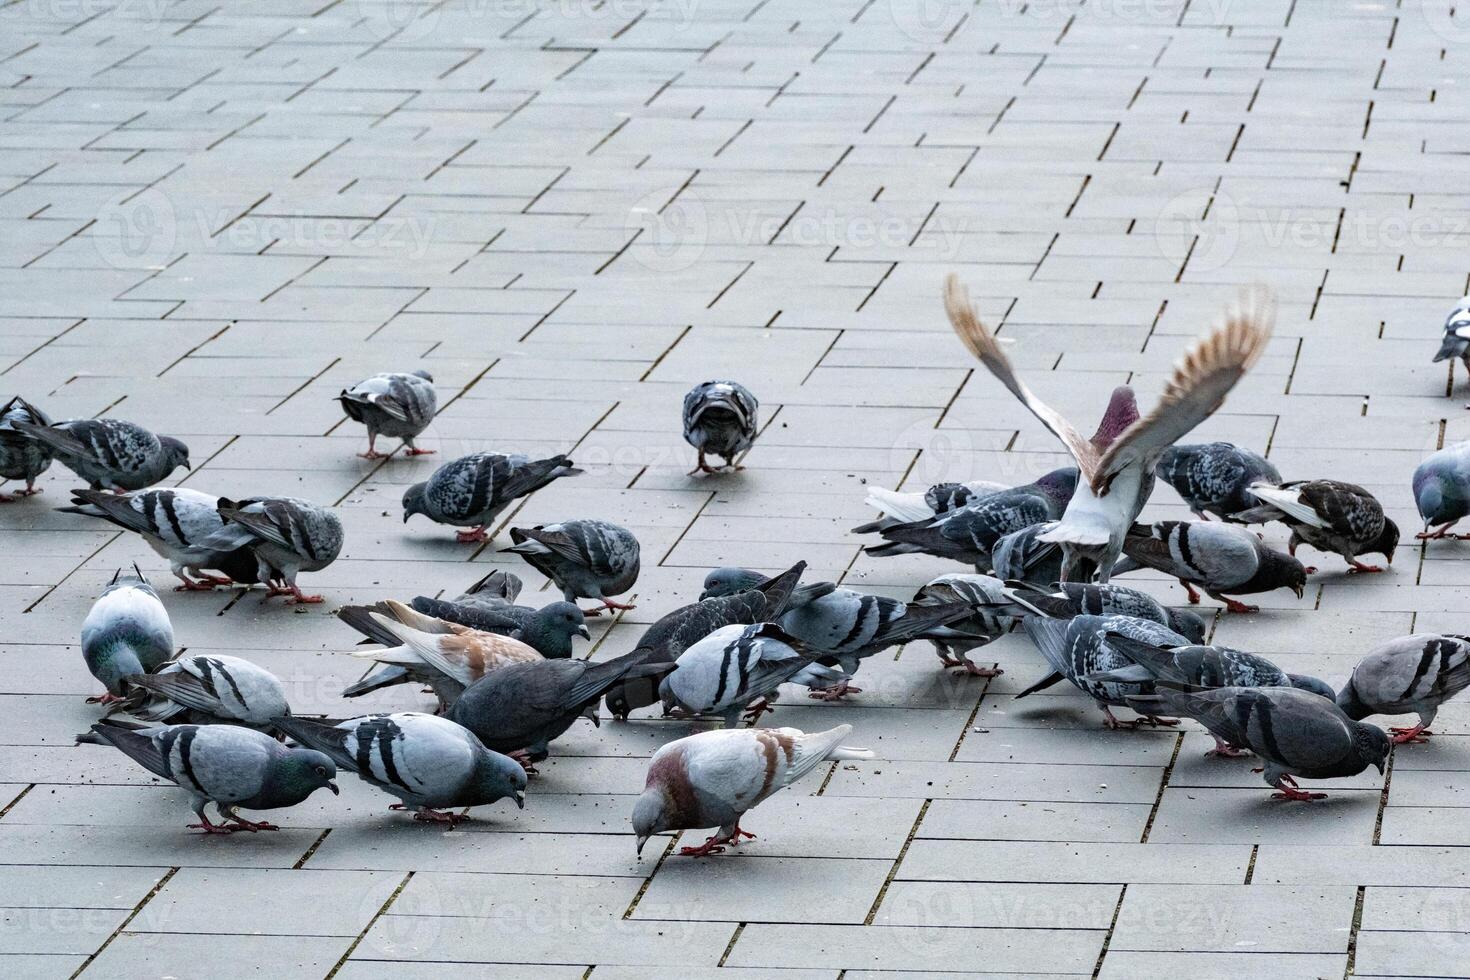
(1329, 515)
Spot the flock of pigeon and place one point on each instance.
(507, 683)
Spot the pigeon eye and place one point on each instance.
(321, 770)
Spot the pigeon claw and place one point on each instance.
(1358, 566)
(416, 451)
(430, 815)
(1292, 793)
(975, 670)
(1236, 606)
(212, 828)
(523, 756)
(107, 697)
(835, 693)
(189, 585)
(374, 454)
(240, 823)
(1418, 735)
(473, 535)
(711, 845)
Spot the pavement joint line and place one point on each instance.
(19, 796)
(1383, 796)
(1163, 785)
(897, 863)
(669, 841)
(382, 911)
(730, 947)
(1354, 931)
(158, 887)
(1250, 867)
(1102, 954)
(301, 861)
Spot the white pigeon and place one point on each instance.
(1117, 464)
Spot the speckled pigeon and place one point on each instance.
(287, 535)
(729, 580)
(1214, 477)
(1329, 515)
(1409, 675)
(738, 668)
(399, 406)
(898, 507)
(984, 624)
(430, 763)
(21, 457)
(1456, 340)
(126, 632)
(207, 690)
(586, 559)
(1076, 599)
(720, 419)
(713, 779)
(1442, 491)
(1117, 463)
(1022, 557)
(226, 765)
(473, 489)
(1079, 648)
(1219, 558)
(110, 454)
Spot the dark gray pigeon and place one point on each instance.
(287, 535)
(729, 580)
(473, 489)
(521, 708)
(1076, 599)
(21, 457)
(713, 779)
(207, 690)
(1219, 558)
(181, 526)
(226, 765)
(110, 454)
(399, 406)
(585, 559)
(495, 590)
(1442, 491)
(430, 763)
(720, 419)
(737, 669)
(898, 507)
(126, 632)
(1296, 733)
(1022, 556)
(1214, 477)
(1079, 648)
(984, 624)
(1410, 675)
(1456, 340)
(1329, 515)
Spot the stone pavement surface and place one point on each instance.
(215, 216)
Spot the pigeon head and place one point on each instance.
(1387, 541)
(421, 373)
(1373, 745)
(303, 772)
(1436, 494)
(498, 777)
(559, 622)
(1306, 682)
(651, 815)
(175, 452)
(1186, 624)
(1122, 412)
(728, 581)
(1059, 484)
(415, 501)
(1281, 571)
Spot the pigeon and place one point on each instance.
(420, 649)
(1410, 675)
(495, 590)
(969, 533)
(549, 630)
(126, 632)
(720, 420)
(287, 535)
(1330, 516)
(713, 778)
(21, 457)
(110, 453)
(1021, 557)
(1442, 491)
(179, 525)
(474, 489)
(737, 668)
(730, 579)
(207, 690)
(1076, 599)
(1214, 477)
(586, 559)
(984, 624)
(1219, 558)
(906, 508)
(1456, 341)
(226, 765)
(428, 762)
(1079, 648)
(519, 709)
(677, 631)
(1117, 463)
(1296, 733)
(1195, 667)
(399, 406)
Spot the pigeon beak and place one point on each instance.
(405, 517)
(1300, 590)
(520, 800)
(1379, 766)
(334, 788)
(703, 596)
(188, 467)
(642, 839)
(584, 632)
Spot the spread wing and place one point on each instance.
(978, 339)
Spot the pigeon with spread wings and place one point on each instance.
(1117, 463)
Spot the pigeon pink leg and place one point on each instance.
(1416, 735)
(1358, 566)
(1193, 595)
(475, 535)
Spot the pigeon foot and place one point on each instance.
(105, 698)
(835, 693)
(1358, 566)
(474, 535)
(1236, 606)
(1418, 735)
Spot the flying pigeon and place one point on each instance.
(1219, 558)
(1117, 463)
(1329, 515)
(430, 763)
(1079, 648)
(713, 779)
(21, 457)
(720, 419)
(399, 406)
(110, 453)
(905, 508)
(519, 709)
(730, 579)
(287, 535)
(1410, 675)
(954, 640)
(738, 668)
(1442, 491)
(1076, 599)
(1214, 477)
(1297, 733)
(585, 559)
(180, 525)
(548, 630)
(226, 765)
(126, 632)
(473, 489)
(1022, 557)
(1456, 341)
(207, 690)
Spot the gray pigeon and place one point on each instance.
(1219, 558)
(473, 489)
(110, 454)
(1410, 675)
(494, 590)
(226, 765)
(738, 668)
(21, 457)
(399, 406)
(985, 623)
(1442, 491)
(1076, 599)
(713, 779)
(1329, 515)
(1297, 733)
(1214, 477)
(586, 559)
(126, 632)
(430, 763)
(1456, 340)
(180, 525)
(207, 690)
(1079, 648)
(287, 535)
(720, 419)
(898, 507)
(730, 580)
(521, 708)
(549, 630)
(1022, 556)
